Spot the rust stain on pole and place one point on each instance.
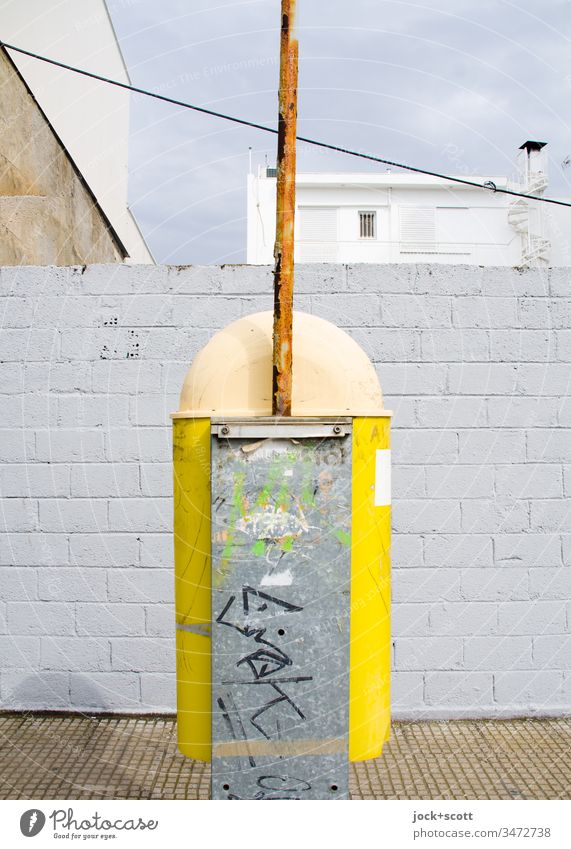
(285, 214)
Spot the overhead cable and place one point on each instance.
(489, 185)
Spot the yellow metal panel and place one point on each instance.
(369, 682)
(191, 455)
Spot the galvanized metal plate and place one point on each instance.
(281, 521)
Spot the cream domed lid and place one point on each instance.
(232, 375)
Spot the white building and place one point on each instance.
(91, 118)
(404, 217)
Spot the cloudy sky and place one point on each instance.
(451, 85)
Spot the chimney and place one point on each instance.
(532, 164)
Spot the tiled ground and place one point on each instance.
(115, 757)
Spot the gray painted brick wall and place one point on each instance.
(475, 363)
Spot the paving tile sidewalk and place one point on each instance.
(70, 756)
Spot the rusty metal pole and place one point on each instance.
(285, 215)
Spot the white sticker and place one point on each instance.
(382, 477)
(278, 579)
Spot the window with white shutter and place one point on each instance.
(418, 230)
(435, 230)
(317, 233)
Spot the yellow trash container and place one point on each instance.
(227, 394)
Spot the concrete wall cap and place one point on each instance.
(232, 375)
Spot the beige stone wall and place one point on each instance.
(48, 216)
